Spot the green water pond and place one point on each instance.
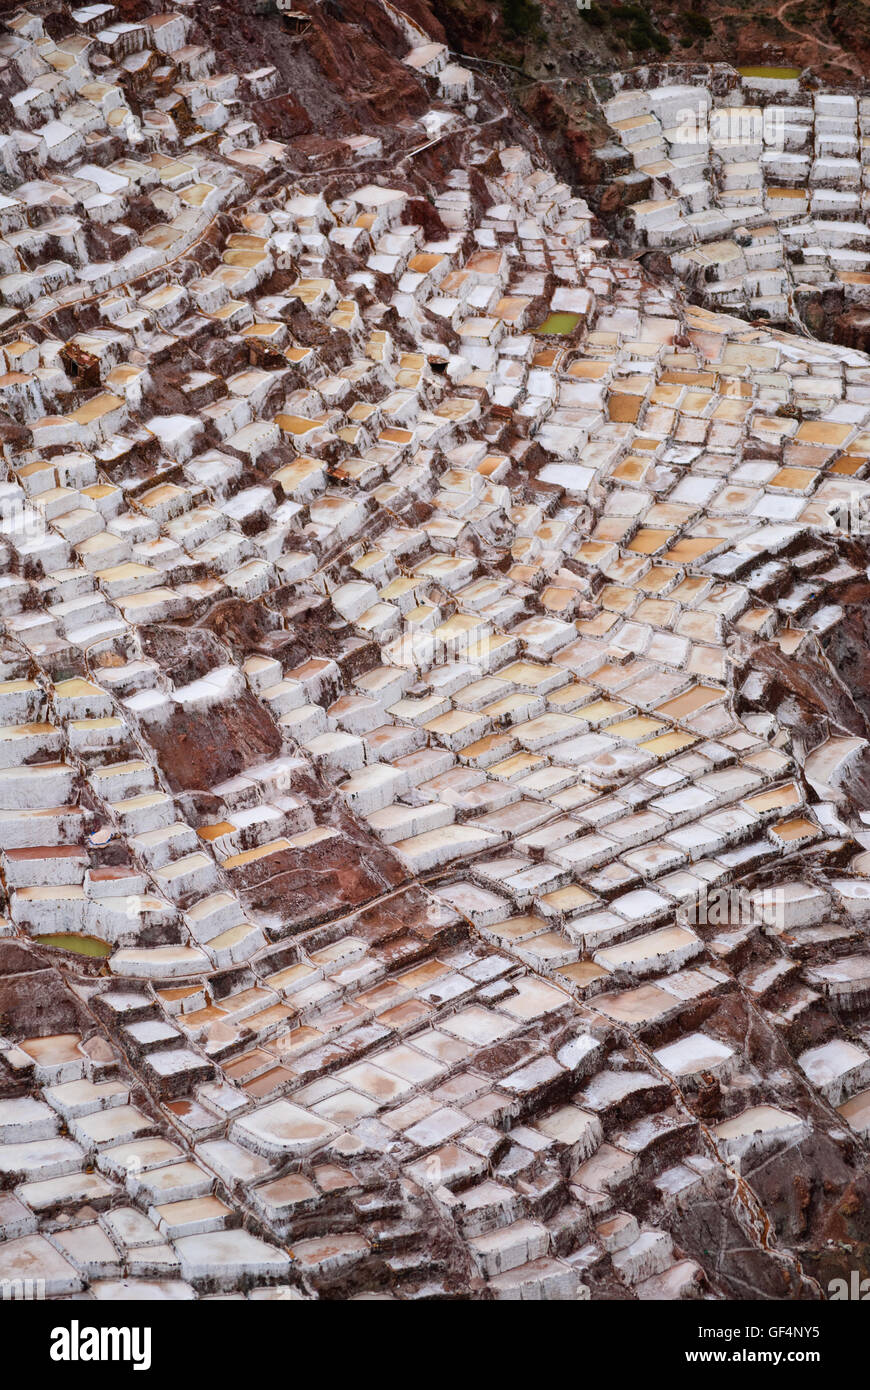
(558, 323)
(784, 74)
(82, 945)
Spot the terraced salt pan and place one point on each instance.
(837, 1068)
(695, 1054)
(756, 1129)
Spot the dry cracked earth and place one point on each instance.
(434, 717)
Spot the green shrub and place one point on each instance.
(595, 16)
(643, 36)
(642, 33)
(697, 24)
(521, 17)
